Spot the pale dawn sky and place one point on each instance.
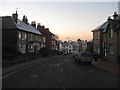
(69, 20)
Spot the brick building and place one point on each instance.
(106, 39)
(50, 37)
(19, 36)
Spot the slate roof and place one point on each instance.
(103, 27)
(9, 23)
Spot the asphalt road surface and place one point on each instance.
(60, 72)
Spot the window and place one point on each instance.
(111, 49)
(23, 48)
(53, 43)
(44, 39)
(98, 36)
(31, 37)
(111, 33)
(36, 38)
(19, 35)
(19, 47)
(23, 36)
(98, 50)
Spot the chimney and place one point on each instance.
(47, 29)
(43, 26)
(109, 18)
(25, 20)
(38, 24)
(115, 15)
(33, 23)
(15, 17)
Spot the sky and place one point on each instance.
(69, 20)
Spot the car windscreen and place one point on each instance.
(86, 54)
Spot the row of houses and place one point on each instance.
(20, 36)
(73, 46)
(106, 39)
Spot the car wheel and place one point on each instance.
(75, 61)
(79, 62)
(90, 63)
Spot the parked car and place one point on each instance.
(77, 57)
(64, 53)
(74, 54)
(84, 57)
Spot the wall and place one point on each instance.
(112, 41)
(9, 41)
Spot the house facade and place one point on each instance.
(50, 37)
(108, 40)
(19, 36)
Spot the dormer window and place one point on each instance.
(111, 33)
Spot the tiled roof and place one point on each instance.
(9, 23)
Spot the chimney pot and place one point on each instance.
(25, 20)
(109, 18)
(15, 17)
(39, 24)
(43, 26)
(33, 23)
(115, 15)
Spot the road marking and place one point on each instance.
(61, 62)
(61, 69)
(34, 75)
(66, 60)
(20, 69)
(91, 71)
(54, 65)
(63, 87)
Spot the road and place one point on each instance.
(60, 72)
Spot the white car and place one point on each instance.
(84, 57)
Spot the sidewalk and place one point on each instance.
(7, 70)
(109, 66)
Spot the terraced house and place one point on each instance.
(20, 36)
(106, 39)
(51, 42)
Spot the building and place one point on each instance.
(98, 37)
(59, 44)
(76, 47)
(83, 45)
(70, 47)
(89, 46)
(19, 36)
(50, 37)
(65, 46)
(108, 39)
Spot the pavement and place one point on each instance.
(106, 65)
(109, 66)
(9, 69)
